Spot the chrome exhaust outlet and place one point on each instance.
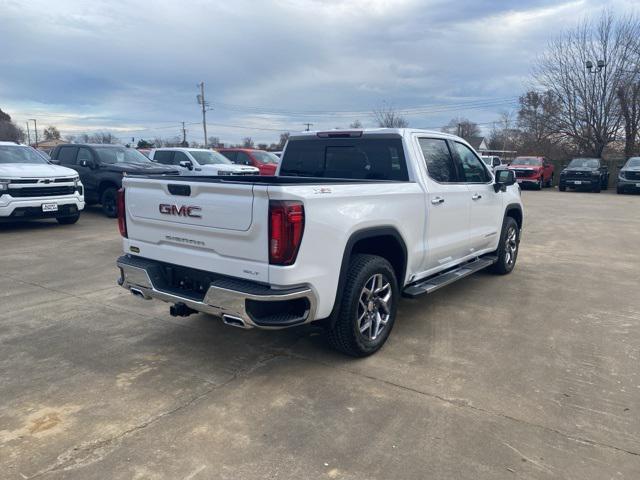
(233, 321)
(136, 292)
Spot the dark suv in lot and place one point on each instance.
(629, 176)
(101, 168)
(585, 173)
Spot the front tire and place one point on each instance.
(108, 201)
(367, 309)
(507, 251)
(562, 188)
(540, 183)
(68, 220)
(597, 187)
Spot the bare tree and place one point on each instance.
(283, 140)
(629, 99)
(51, 133)
(247, 142)
(102, 137)
(9, 131)
(356, 124)
(388, 117)
(214, 141)
(589, 111)
(462, 127)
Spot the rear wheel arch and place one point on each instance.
(385, 242)
(104, 184)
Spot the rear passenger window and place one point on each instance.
(67, 155)
(163, 156)
(353, 158)
(473, 168)
(438, 158)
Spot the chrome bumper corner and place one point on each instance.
(230, 304)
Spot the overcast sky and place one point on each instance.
(131, 67)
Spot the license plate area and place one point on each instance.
(49, 207)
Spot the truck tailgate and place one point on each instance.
(204, 225)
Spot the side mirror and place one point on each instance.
(54, 161)
(504, 179)
(186, 164)
(496, 162)
(88, 163)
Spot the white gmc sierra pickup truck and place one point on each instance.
(352, 221)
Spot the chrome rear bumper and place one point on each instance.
(228, 302)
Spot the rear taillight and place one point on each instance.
(122, 214)
(286, 224)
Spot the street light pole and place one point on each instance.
(28, 135)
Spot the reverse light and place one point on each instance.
(286, 225)
(122, 214)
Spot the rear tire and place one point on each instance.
(508, 247)
(68, 220)
(108, 201)
(367, 309)
(550, 182)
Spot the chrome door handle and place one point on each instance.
(437, 200)
(476, 196)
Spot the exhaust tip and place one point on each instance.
(136, 292)
(234, 321)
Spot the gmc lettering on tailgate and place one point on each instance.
(181, 211)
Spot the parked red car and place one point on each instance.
(266, 162)
(533, 171)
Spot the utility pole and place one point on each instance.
(35, 128)
(28, 135)
(203, 103)
(308, 125)
(184, 136)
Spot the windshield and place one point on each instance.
(209, 157)
(584, 163)
(20, 154)
(265, 157)
(633, 162)
(120, 155)
(528, 161)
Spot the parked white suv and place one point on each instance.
(31, 187)
(199, 161)
(352, 221)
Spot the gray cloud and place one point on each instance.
(133, 65)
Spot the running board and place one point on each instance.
(431, 284)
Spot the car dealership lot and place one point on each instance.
(532, 375)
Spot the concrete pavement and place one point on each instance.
(532, 375)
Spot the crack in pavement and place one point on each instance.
(66, 463)
(461, 403)
(91, 452)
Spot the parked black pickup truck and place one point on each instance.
(101, 168)
(585, 173)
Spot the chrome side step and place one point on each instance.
(431, 284)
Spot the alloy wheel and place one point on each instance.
(374, 307)
(511, 246)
